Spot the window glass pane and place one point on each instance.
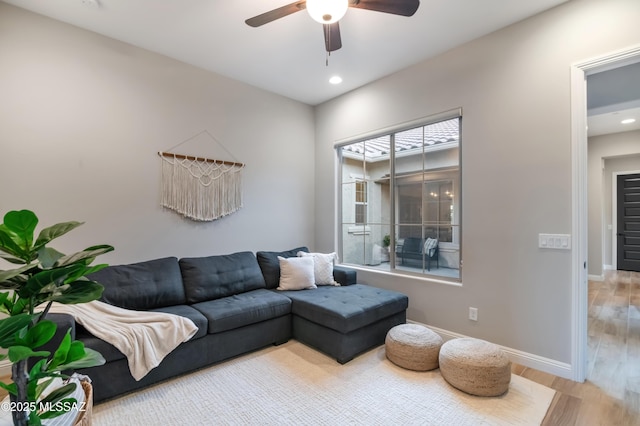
(365, 203)
(422, 207)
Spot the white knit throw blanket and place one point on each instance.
(144, 337)
(199, 189)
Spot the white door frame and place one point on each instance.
(579, 290)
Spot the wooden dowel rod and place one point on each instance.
(208, 160)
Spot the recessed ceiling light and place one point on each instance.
(336, 79)
(628, 121)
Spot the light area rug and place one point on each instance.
(293, 384)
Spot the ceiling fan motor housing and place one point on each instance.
(327, 11)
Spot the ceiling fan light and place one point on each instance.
(327, 11)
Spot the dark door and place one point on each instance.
(629, 222)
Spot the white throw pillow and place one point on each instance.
(430, 246)
(322, 267)
(296, 273)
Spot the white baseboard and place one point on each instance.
(595, 277)
(608, 267)
(560, 369)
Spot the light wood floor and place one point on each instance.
(611, 393)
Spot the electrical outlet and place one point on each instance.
(473, 314)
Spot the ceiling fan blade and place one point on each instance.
(274, 14)
(395, 7)
(332, 39)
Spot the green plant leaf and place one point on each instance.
(34, 419)
(76, 351)
(60, 393)
(20, 306)
(38, 335)
(18, 353)
(52, 232)
(44, 278)
(11, 388)
(48, 256)
(38, 371)
(12, 259)
(72, 355)
(86, 256)
(10, 284)
(10, 326)
(7, 275)
(91, 358)
(80, 291)
(82, 270)
(37, 386)
(8, 243)
(60, 355)
(89, 270)
(23, 224)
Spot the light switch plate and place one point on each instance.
(554, 241)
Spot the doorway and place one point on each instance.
(580, 200)
(628, 222)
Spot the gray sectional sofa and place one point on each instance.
(233, 301)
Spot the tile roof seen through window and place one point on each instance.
(432, 135)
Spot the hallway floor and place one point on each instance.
(611, 394)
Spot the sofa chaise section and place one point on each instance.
(345, 321)
(341, 321)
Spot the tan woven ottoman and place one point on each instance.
(413, 346)
(475, 366)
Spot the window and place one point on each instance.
(405, 187)
(361, 202)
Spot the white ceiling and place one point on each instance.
(287, 56)
(610, 122)
(613, 95)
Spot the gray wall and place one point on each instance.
(82, 118)
(514, 88)
(607, 154)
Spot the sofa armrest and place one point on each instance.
(344, 275)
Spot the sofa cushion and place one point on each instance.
(142, 286)
(243, 309)
(348, 308)
(187, 311)
(270, 265)
(296, 273)
(214, 277)
(322, 267)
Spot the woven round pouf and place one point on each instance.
(475, 366)
(413, 346)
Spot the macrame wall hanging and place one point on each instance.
(201, 189)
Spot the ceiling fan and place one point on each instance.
(329, 12)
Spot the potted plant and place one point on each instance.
(44, 276)
(386, 241)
